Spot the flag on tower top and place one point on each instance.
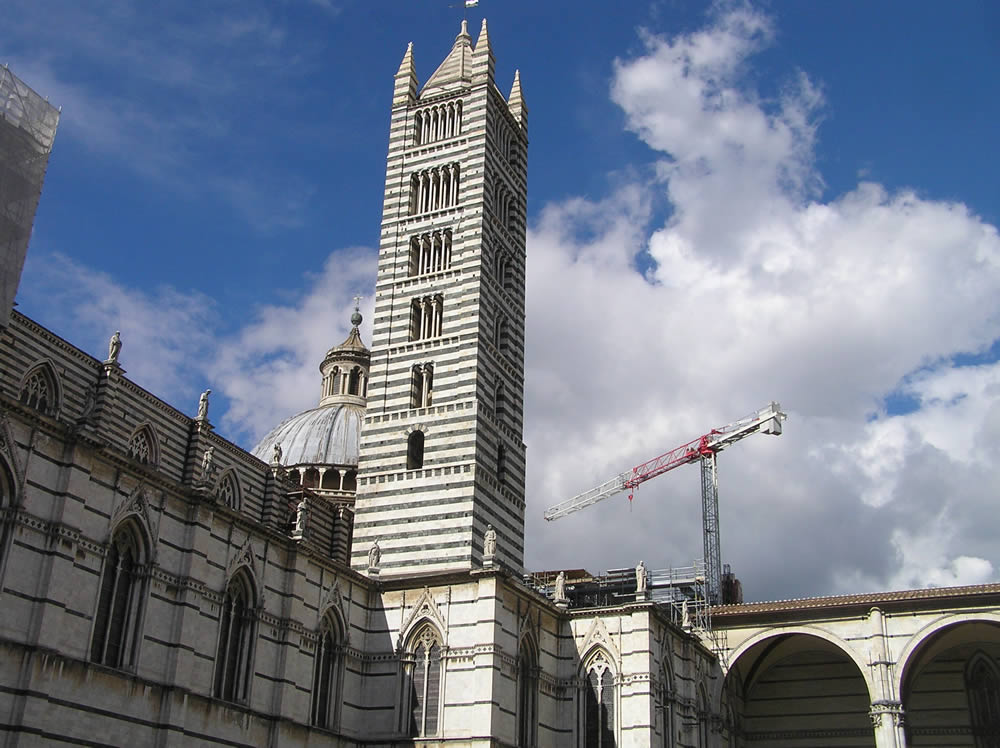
(471, 3)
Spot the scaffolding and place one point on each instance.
(27, 130)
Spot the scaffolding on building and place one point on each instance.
(27, 130)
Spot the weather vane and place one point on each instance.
(466, 5)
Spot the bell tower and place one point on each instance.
(442, 455)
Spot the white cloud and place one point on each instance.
(759, 291)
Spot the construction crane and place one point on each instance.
(767, 420)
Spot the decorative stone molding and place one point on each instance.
(425, 608)
(598, 636)
(885, 710)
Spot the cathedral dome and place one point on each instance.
(328, 435)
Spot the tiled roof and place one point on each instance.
(845, 601)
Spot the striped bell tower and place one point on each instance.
(442, 455)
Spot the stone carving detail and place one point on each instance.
(886, 709)
(425, 608)
(333, 598)
(374, 555)
(208, 464)
(246, 557)
(640, 578)
(598, 635)
(136, 505)
(560, 592)
(489, 543)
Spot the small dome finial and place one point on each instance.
(465, 28)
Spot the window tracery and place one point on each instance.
(326, 675)
(236, 637)
(142, 446)
(229, 492)
(422, 674)
(116, 621)
(39, 390)
(599, 703)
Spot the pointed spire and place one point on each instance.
(405, 89)
(515, 102)
(483, 60)
(456, 66)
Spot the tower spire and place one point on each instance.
(457, 66)
(515, 102)
(405, 89)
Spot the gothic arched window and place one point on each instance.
(982, 685)
(702, 707)
(229, 490)
(665, 704)
(527, 695)
(6, 503)
(142, 446)
(415, 450)
(116, 622)
(422, 673)
(38, 390)
(236, 640)
(326, 674)
(599, 703)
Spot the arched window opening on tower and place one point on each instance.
(236, 639)
(38, 390)
(501, 269)
(354, 382)
(527, 696)
(599, 704)
(438, 123)
(501, 334)
(311, 478)
(430, 253)
(415, 450)
(982, 686)
(116, 622)
(421, 386)
(327, 666)
(422, 683)
(501, 464)
(434, 189)
(499, 401)
(502, 201)
(426, 313)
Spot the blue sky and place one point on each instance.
(727, 204)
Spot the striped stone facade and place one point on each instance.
(447, 374)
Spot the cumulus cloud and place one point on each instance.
(758, 289)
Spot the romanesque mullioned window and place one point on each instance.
(430, 253)
(229, 490)
(326, 674)
(982, 686)
(236, 641)
(503, 204)
(527, 695)
(599, 703)
(415, 450)
(438, 122)
(422, 683)
(142, 446)
(426, 314)
(434, 189)
(38, 390)
(422, 385)
(116, 623)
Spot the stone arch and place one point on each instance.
(41, 389)
(800, 683)
(940, 689)
(919, 639)
(815, 631)
(143, 446)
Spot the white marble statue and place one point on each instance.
(276, 458)
(114, 347)
(489, 541)
(208, 463)
(685, 616)
(640, 577)
(203, 405)
(374, 555)
(560, 586)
